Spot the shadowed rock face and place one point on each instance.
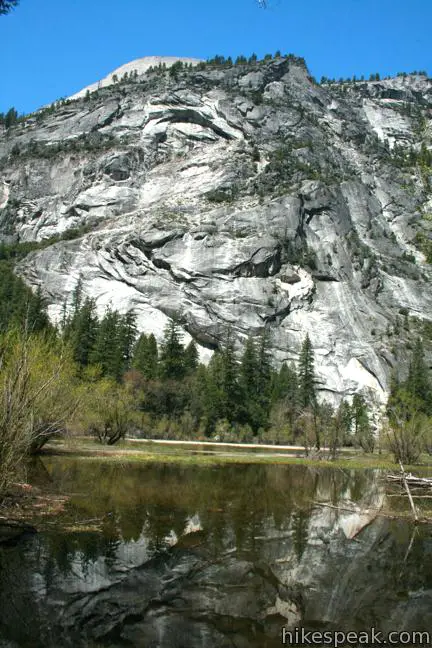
(244, 197)
(185, 598)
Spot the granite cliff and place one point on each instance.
(243, 196)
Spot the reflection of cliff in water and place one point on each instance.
(185, 556)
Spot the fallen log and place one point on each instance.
(412, 480)
(379, 512)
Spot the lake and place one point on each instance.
(182, 556)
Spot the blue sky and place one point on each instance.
(52, 48)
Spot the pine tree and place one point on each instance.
(139, 353)
(106, 351)
(36, 312)
(285, 389)
(214, 395)
(343, 420)
(191, 358)
(418, 384)
(77, 294)
(81, 331)
(172, 363)
(307, 381)
(414, 395)
(230, 383)
(256, 381)
(145, 356)
(362, 428)
(19, 306)
(224, 399)
(249, 370)
(198, 396)
(7, 5)
(265, 370)
(126, 337)
(153, 357)
(250, 408)
(285, 385)
(11, 118)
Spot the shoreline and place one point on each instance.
(202, 453)
(26, 509)
(212, 444)
(228, 444)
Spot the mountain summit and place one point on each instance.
(138, 66)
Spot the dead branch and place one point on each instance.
(411, 501)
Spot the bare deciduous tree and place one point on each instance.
(406, 439)
(105, 410)
(37, 398)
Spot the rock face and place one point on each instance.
(244, 197)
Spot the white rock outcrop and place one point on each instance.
(140, 66)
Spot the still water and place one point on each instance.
(170, 556)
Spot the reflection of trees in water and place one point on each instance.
(360, 483)
(22, 617)
(235, 503)
(300, 527)
(412, 570)
(342, 484)
(160, 522)
(420, 554)
(14, 570)
(37, 472)
(85, 547)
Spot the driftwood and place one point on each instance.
(409, 482)
(412, 480)
(411, 501)
(413, 495)
(379, 512)
(368, 514)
